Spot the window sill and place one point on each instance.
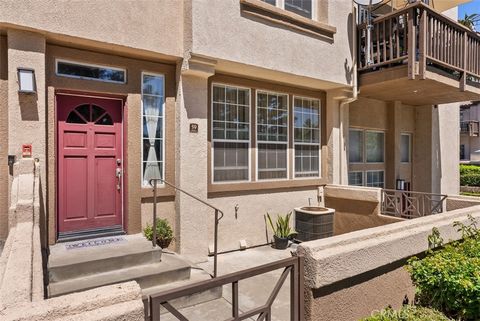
(259, 186)
(286, 18)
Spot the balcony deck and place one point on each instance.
(419, 57)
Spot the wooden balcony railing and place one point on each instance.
(470, 128)
(408, 204)
(420, 35)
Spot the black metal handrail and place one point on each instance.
(293, 266)
(217, 217)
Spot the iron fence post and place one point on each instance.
(215, 244)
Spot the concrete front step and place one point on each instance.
(170, 269)
(132, 250)
(196, 275)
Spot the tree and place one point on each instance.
(470, 21)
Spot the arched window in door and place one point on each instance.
(89, 114)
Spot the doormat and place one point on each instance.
(97, 242)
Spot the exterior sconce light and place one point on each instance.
(26, 81)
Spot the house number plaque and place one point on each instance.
(193, 128)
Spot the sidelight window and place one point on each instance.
(153, 124)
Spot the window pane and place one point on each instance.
(152, 124)
(272, 2)
(272, 161)
(307, 160)
(301, 7)
(152, 85)
(230, 113)
(355, 178)
(151, 170)
(230, 161)
(405, 148)
(78, 70)
(307, 120)
(274, 116)
(375, 179)
(375, 144)
(355, 146)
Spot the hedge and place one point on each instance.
(470, 180)
(448, 279)
(408, 313)
(469, 169)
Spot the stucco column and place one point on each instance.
(193, 218)
(337, 124)
(423, 153)
(27, 112)
(4, 171)
(448, 147)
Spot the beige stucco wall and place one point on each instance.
(343, 274)
(4, 170)
(253, 46)
(146, 25)
(356, 208)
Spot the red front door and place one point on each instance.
(89, 163)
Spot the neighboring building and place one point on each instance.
(469, 133)
(251, 105)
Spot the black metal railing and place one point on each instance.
(293, 266)
(218, 217)
(408, 204)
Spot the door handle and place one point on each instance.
(118, 174)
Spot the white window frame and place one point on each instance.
(162, 184)
(58, 60)
(366, 177)
(363, 178)
(410, 140)
(363, 144)
(310, 144)
(281, 4)
(287, 143)
(213, 140)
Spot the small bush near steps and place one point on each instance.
(408, 313)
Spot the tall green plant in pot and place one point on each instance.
(164, 233)
(282, 231)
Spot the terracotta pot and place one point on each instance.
(164, 243)
(280, 243)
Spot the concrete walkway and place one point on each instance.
(253, 292)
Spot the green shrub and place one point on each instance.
(407, 313)
(164, 230)
(469, 169)
(448, 279)
(470, 179)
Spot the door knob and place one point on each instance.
(119, 162)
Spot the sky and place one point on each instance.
(469, 8)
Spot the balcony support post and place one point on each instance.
(412, 37)
(463, 79)
(422, 65)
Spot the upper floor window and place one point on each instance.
(230, 133)
(153, 124)
(304, 8)
(91, 72)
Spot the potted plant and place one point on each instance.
(164, 233)
(282, 231)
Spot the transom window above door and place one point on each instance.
(304, 8)
(86, 113)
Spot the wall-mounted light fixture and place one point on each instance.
(26, 81)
